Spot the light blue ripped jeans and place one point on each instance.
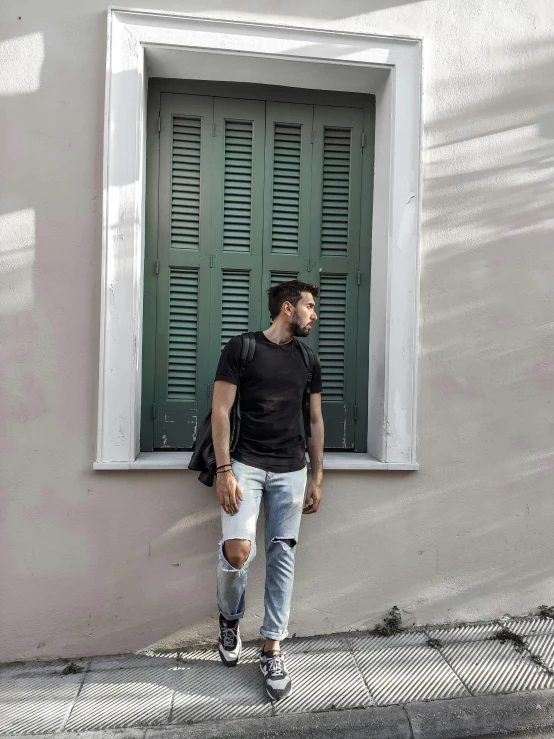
(283, 495)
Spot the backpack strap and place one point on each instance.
(248, 348)
(308, 355)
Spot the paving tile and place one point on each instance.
(471, 632)
(531, 626)
(36, 704)
(495, 667)
(322, 682)
(543, 646)
(207, 691)
(320, 644)
(133, 661)
(403, 674)
(364, 640)
(121, 698)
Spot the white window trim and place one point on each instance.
(141, 43)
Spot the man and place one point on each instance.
(269, 461)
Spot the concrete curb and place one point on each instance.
(459, 718)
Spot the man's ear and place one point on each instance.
(287, 307)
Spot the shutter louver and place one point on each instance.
(336, 191)
(183, 332)
(237, 190)
(235, 304)
(277, 277)
(332, 335)
(286, 189)
(185, 184)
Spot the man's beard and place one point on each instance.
(297, 330)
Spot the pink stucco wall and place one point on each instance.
(104, 562)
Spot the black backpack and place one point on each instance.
(203, 454)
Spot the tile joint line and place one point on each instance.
(409, 720)
(77, 694)
(427, 631)
(351, 651)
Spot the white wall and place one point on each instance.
(100, 562)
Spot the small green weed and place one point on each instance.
(72, 669)
(541, 663)
(392, 624)
(546, 611)
(505, 634)
(434, 643)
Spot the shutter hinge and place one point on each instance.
(359, 277)
(211, 261)
(214, 129)
(363, 139)
(159, 123)
(153, 410)
(157, 266)
(312, 136)
(355, 412)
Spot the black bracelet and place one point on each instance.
(222, 472)
(224, 465)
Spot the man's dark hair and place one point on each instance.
(288, 292)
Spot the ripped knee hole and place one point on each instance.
(291, 543)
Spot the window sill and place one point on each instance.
(180, 460)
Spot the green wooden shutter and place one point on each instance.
(335, 245)
(237, 194)
(183, 301)
(286, 236)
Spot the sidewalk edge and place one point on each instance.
(457, 718)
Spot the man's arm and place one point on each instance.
(226, 485)
(315, 445)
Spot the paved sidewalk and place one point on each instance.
(454, 667)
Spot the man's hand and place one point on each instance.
(228, 492)
(313, 498)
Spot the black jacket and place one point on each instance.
(203, 454)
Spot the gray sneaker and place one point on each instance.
(277, 680)
(229, 644)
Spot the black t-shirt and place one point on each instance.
(270, 403)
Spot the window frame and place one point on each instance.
(143, 44)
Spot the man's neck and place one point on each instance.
(278, 333)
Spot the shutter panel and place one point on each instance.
(237, 194)
(332, 335)
(285, 212)
(237, 185)
(235, 304)
(183, 334)
(286, 239)
(335, 205)
(183, 282)
(185, 187)
(335, 245)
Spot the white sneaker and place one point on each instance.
(277, 680)
(229, 644)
